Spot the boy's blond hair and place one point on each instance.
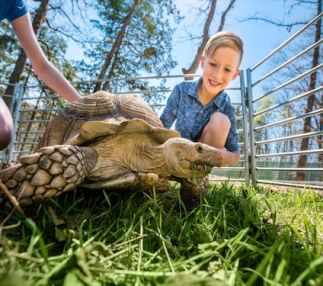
(223, 39)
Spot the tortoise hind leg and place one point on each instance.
(49, 172)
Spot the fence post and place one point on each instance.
(245, 127)
(115, 90)
(252, 156)
(15, 111)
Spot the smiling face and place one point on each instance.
(218, 70)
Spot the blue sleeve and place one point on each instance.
(17, 9)
(170, 112)
(232, 143)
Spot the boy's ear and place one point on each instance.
(236, 74)
(202, 61)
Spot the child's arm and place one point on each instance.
(230, 155)
(43, 68)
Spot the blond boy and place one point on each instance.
(202, 109)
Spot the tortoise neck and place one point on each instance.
(152, 160)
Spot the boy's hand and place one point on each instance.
(224, 157)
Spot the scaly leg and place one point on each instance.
(49, 172)
(193, 189)
(131, 180)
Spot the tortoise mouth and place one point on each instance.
(201, 168)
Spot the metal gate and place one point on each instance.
(286, 146)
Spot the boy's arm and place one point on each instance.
(43, 68)
(225, 157)
(230, 155)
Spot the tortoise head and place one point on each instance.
(187, 158)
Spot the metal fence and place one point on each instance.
(271, 103)
(285, 101)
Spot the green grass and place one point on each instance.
(236, 236)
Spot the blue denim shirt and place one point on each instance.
(191, 116)
(12, 9)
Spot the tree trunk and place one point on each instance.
(302, 160)
(107, 84)
(22, 58)
(194, 66)
(116, 45)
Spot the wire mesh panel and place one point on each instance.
(285, 95)
(31, 109)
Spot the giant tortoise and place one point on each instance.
(107, 141)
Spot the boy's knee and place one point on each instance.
(220, 121)
(216, 130)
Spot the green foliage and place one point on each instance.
(146, 46)
(9, 49)
(236, 236)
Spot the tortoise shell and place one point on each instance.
(102, 106)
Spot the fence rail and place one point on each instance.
(278, 129)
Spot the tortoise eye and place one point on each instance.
(199, 148)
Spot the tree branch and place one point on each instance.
(279, 24)
(224, 14)
(116, 45)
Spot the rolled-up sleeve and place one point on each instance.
(170, 112)
(17, 9)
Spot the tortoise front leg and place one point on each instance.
(129, 180)
(193, 189)
(49, 172)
